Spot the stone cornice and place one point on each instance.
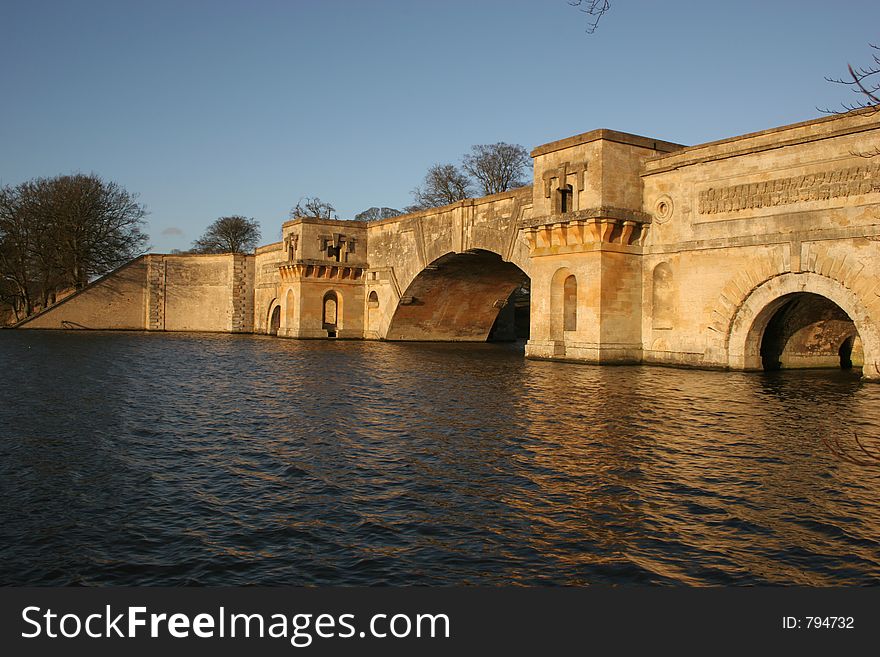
(607, 135)
(607, 212)
(322, 222)
(805, 132)
(587, 230)
(316, 269)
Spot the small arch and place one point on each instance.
(266, 324)
(563, 304)
(275, 320)
(330, 314)
(373, 311)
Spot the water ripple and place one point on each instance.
(196, 459)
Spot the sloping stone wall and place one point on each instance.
(155, 292)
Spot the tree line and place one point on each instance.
(487, 169)
(57, 234)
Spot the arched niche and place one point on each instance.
(662, 297)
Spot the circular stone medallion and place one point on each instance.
(663, 209)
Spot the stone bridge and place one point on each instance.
(755, 252)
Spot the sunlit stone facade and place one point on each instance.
(753, 252)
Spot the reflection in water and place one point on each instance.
(219, 459)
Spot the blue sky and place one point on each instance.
(210, 108)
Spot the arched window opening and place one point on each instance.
(331, 314)
(563, 304)
(566, 199)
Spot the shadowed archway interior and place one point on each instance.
(275, 321)
(806, 330)
(459, 297)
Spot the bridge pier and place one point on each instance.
(587, 292)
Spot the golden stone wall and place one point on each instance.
(156, 292)
(750, 222)
(634, 250)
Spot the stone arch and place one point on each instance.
(808, 330)
(750, 321)
(563, 303)
(267, 318)
(331, 312)
(517, 254)
(469, 227)
(273, 318)
(457, 298)
(662, 297)
(373, 312)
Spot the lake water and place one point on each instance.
(167, 459)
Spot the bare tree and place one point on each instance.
(863, 81)
(58, 233)
(444, 184)
(497, 167)
(595, 9)
(374, 214)
(18, 270)
(312, 206)
(233, 234)
(99, 224)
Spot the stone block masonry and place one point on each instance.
(162, 293)
(753, 252)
